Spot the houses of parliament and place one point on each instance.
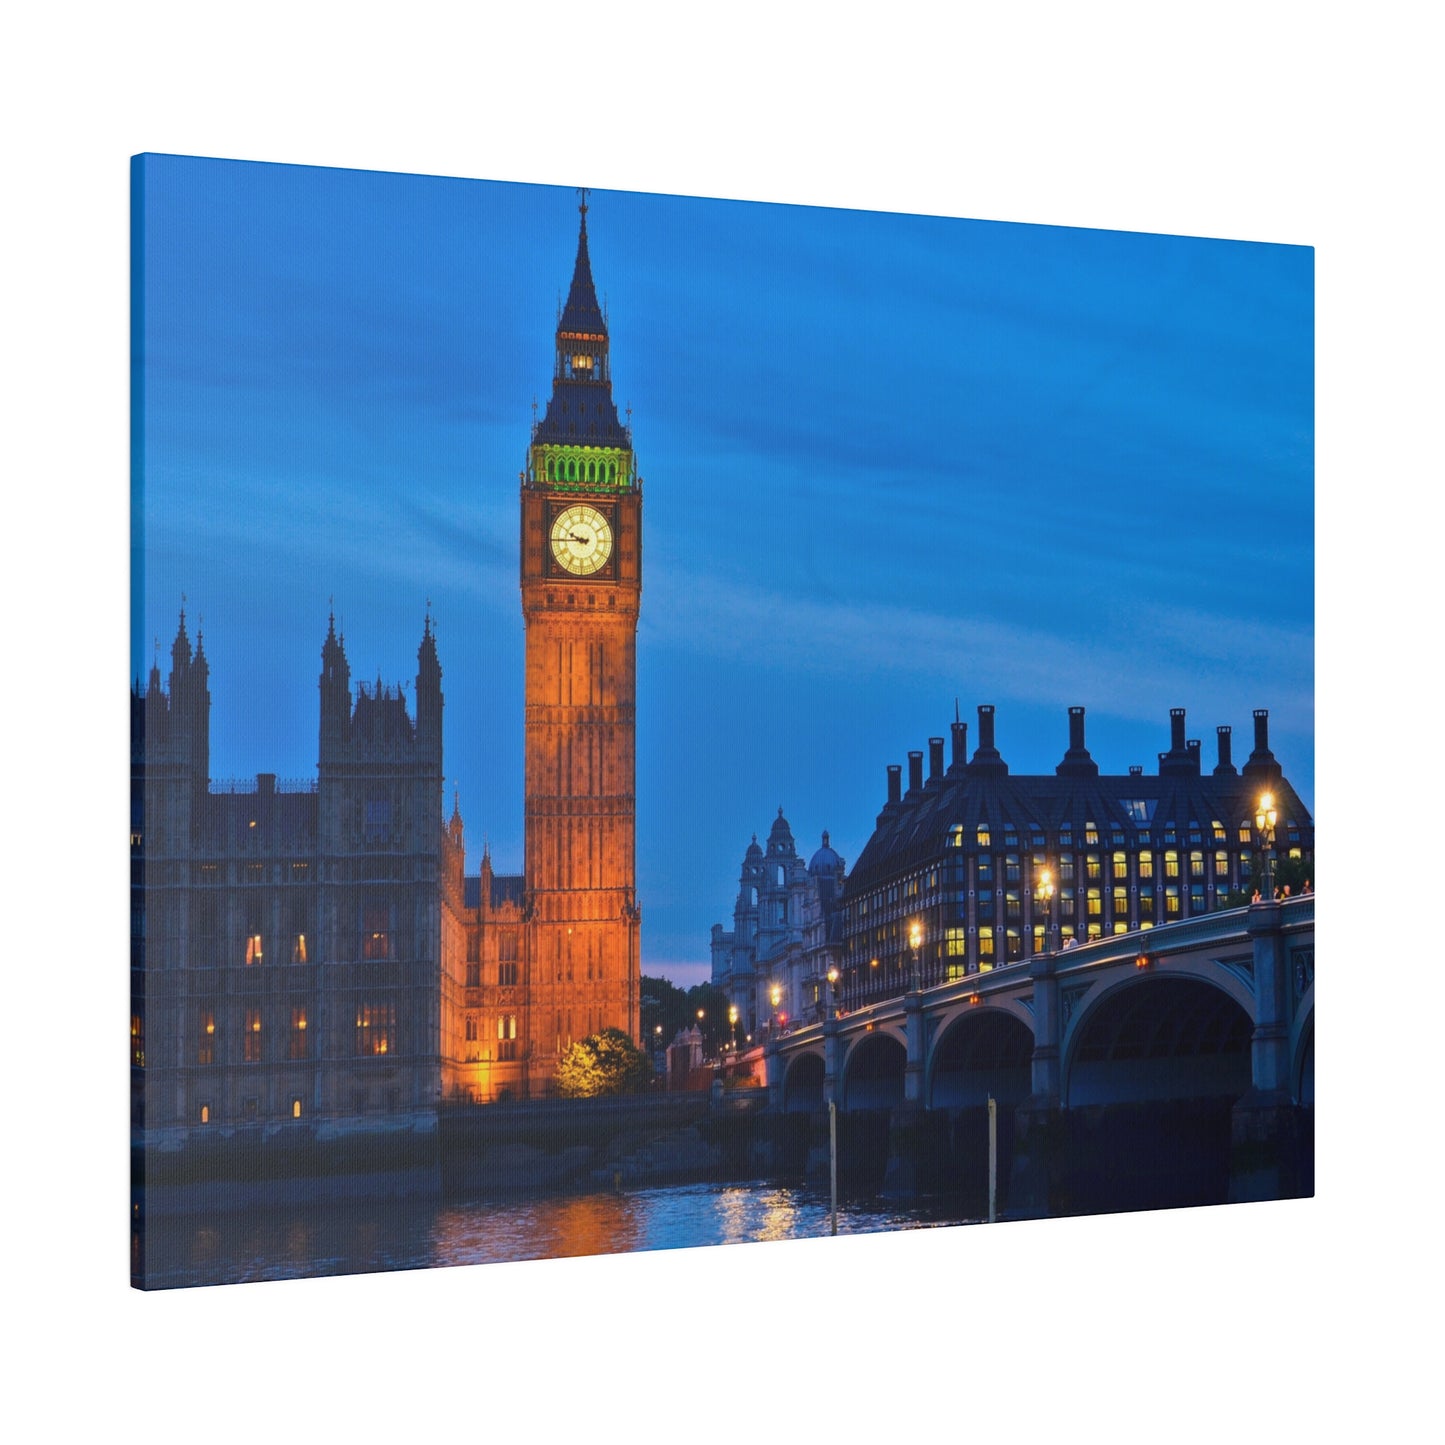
(317, 951)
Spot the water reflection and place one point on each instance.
(355, 1237)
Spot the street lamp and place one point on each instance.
(833, 992)
(1044, 890)
(776, 995)
(1265, 817)
(733, 1023)
(915, 938)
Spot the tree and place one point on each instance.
(602, 1064)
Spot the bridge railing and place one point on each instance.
(867, 985)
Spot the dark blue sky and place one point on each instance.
(888, 462)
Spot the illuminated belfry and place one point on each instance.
(581, 564)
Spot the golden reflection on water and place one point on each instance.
(548, 1229)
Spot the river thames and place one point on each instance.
(361, 1237)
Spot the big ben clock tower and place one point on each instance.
(581, 589)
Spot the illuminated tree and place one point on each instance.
(605, 1063)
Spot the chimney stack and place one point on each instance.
(960, 744)
(1226, 763)
(935, 759)
(915, 771)
(895, 775)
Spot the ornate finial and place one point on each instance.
(955, 710)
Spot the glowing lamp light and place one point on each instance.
(973, 998)
(1143, 960)
(915, 934)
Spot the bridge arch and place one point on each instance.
(981, 1053)
(873, 1072)
(803, 1082)
(1157, 1038)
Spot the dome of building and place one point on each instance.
(825, 860)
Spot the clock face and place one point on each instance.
(581, 539)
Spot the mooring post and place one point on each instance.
(833, 1157)
(992, 1159)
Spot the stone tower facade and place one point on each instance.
(581, 578)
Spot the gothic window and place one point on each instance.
(251, 1039)
(298, 1032)
(474, 975)
(507, 1036)
(206, 1036)
(375, 1024)
(376, 930)
(471, 1028)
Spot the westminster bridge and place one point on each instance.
(1191, 1027)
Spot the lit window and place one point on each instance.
(984, 838)
(1121, 865)
(251, 1040)
(374, 1026)
(507, 1037)
(1146, 864)
(206, 1037)
(1246, 831)
(1221, 865)
(376, 932)
(298, 1033)
(138, 1040)
(1091, 831)
(1093, 866)
(253, 947)
(1121, 925)
(1217, 828)
(1171, 901)
(1196, 865)
(955, 836)
(1095, 903)
(298, 948)
(955, 942)
(295, 1108)
(1121, 904)
(1171, 864)
(205, 1115)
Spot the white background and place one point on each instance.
(1264, 121)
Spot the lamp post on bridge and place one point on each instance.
(1044, 890)
(733, 1022)
(1265, 817)
(915, 940)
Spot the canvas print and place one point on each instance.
(661, 721)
